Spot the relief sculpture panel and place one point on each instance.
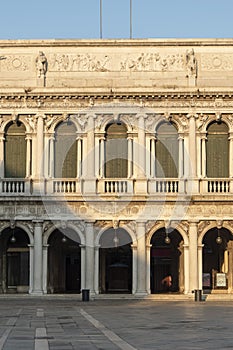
(153, 62)
(12, 63)
(218, 62)
(79, 63)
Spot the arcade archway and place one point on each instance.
(217, 262)
(115, 261)
(64, 262)
(14, 260)
(166, 262)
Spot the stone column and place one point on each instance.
(83, 266)
(193, 182)
(141, 258)
(141, 147)
(231, 155)
(153, 158)
(90, 256)
(135, 272)
(148, 268)
(193, 256)
(181, 156)
(130, 156)
(79, 157)
(31, 267)
(140, 186)
(203, 155)
(96, 277)
(51, 156)
(198, 143)
(28, 155)
(91, 146)
(45, 267)
(89, 185)
(186, 269)
(102, 158)
(2, 167)
(46, 156)
(192, 146)
(40, 147)
(200, 269)
(186, 156)
(37, 263)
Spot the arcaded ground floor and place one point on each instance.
(128, 258)
(49, 323)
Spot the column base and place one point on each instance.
(140, 293)
(37, 293)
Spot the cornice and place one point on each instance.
(194, 42)
(105, 95)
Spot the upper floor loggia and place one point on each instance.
(116, 153)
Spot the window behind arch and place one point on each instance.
(167, 151)
(116, 151)
(217, 150)
(15, 151)
(65, 150)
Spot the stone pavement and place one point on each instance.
(55, 323)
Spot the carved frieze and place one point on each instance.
(13, 63)
(217, 62)
(79, 63)
(153, 62)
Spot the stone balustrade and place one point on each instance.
(159, 186)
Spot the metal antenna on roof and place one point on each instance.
(101, 20)
(131, 24)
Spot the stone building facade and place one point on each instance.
(116, 166)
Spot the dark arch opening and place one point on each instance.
(64, 262)
(216, 262)
(115, 261)
(166, 262)
(14, 260)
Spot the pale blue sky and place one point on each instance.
(50, 19)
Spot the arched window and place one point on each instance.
(15, 150)
(167, 150)
(217, 150)
(116, 151)
(65, 150)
